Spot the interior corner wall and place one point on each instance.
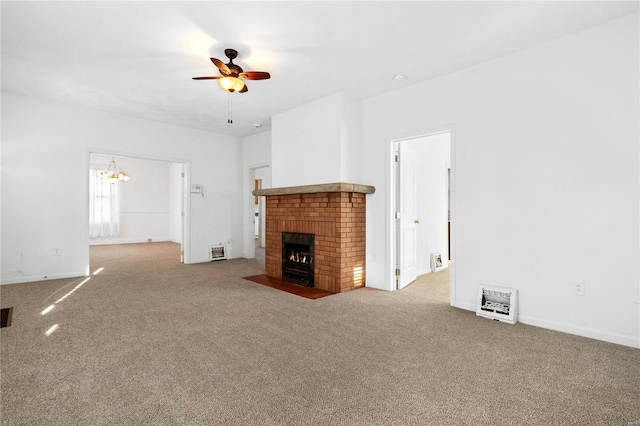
(256, 152)
(545, 172)
(42, 138)
(306, 143)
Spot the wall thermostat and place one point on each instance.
(196, 188)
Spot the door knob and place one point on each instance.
(416, 221)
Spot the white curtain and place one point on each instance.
(104, 205)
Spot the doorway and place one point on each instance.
(261, 180)
(422, 188)
(152, 206)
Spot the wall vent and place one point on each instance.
(5, 317)
(436, 262)
(498, 303)
(218, 252)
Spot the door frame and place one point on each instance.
(392, 198)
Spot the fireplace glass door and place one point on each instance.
(297, 258)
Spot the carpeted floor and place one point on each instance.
(151, 341)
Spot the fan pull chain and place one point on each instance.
(230, 117)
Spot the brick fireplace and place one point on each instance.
(335, 214)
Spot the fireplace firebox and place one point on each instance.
(297, 258)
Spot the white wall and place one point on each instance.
(306, 144)
(351, 141)
(317, 143)
(42, 140)
(144, 200)
(256, 153)
(432, 159)
(545, 177)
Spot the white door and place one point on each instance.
(408, 221)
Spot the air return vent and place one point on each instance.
(218, 252)
(498, 303)
(5, 317)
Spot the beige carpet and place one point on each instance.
(151, 341)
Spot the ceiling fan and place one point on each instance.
(232, 76)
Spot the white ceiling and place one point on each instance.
(137, 58)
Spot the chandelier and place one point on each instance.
(113, 175)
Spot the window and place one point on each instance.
(104, 205)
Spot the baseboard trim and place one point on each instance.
(464, 305)
(566, 328)
(581, 331)
(428, 271)
(49, 277)
(111, 241)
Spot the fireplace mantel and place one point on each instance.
(314, 189)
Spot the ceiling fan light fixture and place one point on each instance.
(233, 76)
(231, 84)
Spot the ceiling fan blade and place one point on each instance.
(207, 78)
(224, 69)
(244, 89)
(254, 75)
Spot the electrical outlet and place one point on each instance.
(578, 288)
(57, 251)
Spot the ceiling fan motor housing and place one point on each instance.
(235, 69)
(231, 53)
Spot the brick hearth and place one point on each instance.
(336, 217)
